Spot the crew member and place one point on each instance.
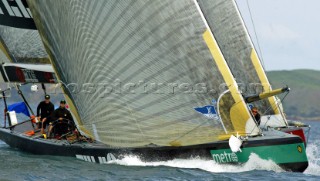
(256, 115)
(59, 115)
(44, 110)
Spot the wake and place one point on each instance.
(313, 153)
(254, 163)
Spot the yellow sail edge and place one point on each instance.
(5, 51)
(263, 78)
(224, 137)
(239, 113)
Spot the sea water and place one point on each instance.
(18, 165)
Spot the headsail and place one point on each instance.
(233, 38)
(138, 70)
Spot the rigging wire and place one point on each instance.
(276, 104)
(256, 36)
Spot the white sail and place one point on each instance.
(234, 40)
(148, 64)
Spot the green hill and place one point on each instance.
(303, 102)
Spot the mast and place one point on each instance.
(6, 108)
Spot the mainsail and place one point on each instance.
(134, 71)
(234, 41)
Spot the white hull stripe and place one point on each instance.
(101, 160)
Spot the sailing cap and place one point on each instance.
(47, 97)
(62, 102)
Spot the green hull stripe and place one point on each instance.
(290, 153)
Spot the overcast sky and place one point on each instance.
(288, 32)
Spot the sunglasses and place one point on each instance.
(254, 111)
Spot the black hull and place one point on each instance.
(100, 153)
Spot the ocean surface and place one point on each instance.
(17, 165)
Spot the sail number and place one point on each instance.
(97, 159)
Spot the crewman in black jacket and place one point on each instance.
(59, 115)
(44, 110)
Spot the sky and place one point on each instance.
(288, 32)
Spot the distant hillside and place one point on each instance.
(303, 102)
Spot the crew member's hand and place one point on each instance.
(60, 119)
(44, 119)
